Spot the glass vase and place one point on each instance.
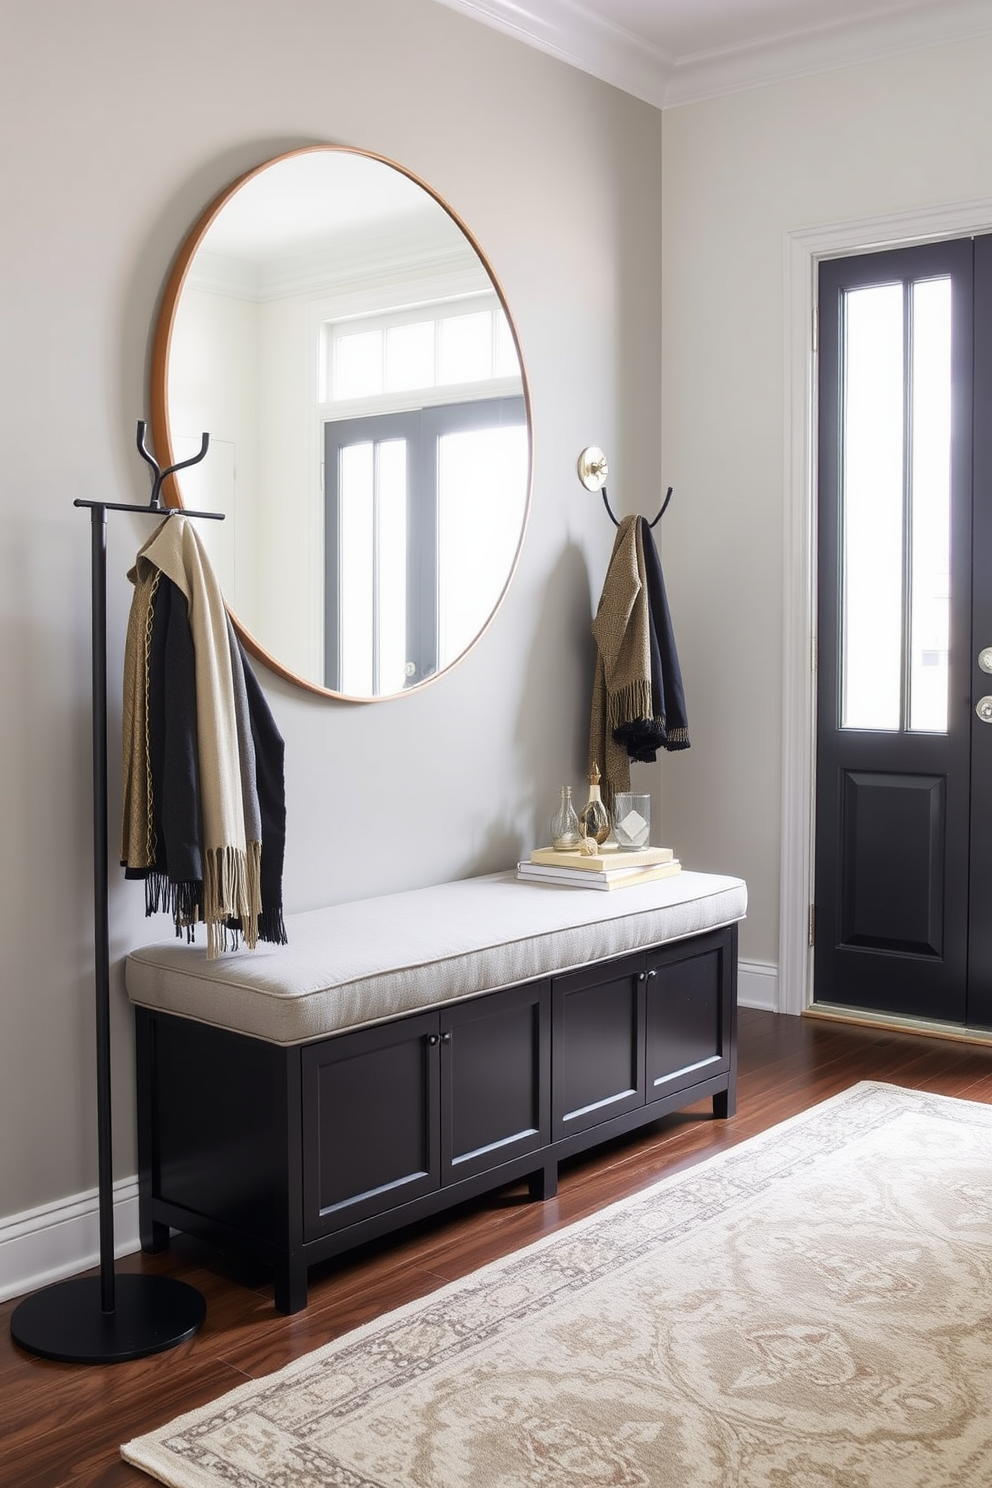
(565, 823)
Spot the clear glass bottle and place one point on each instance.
(594, 819)
(565, 823)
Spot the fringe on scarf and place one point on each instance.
(232, 890)
(272, 927)
(184, 901)
(633, 700)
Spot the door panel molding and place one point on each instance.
(802, 251)
(890, 821)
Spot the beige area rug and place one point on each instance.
(811, 1309)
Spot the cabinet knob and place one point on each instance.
(432, 1039)
(446, 1038)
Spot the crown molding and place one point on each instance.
(825, 48)
(583, 39)
(567, 30)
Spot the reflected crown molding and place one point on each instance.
(582, 36)
(426, 258)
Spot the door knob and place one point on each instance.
(985, 659)
(984, 709)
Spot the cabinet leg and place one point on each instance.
(725, 1104)
(154, 1236)
(291, 1285)
(543, 1184)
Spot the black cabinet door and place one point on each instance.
(495, 1079)
(371, 1122)
(598, 1058)
(688, 1014)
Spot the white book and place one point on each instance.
(613, 878)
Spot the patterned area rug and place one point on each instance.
(811, 1309)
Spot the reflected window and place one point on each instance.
(423, 514)
(452, 343)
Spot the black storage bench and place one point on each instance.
(404, 1053)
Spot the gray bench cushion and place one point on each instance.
(367, 961)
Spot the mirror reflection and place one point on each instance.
(338, 334)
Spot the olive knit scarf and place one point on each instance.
(638, 704)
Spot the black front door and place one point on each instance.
(903, 871)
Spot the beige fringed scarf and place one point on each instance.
(231, 834)
(622, 680)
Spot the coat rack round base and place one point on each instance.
(67, 1321)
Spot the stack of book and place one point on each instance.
(603, 870)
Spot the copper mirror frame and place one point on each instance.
(171, 442)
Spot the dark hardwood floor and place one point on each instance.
(63, 1424)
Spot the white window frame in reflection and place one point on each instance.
(469, 341)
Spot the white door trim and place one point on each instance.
(803, 251)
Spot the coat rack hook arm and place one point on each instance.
(162, 475)
(593, 470)
(143, 450)
(664, 508)
(606, 502)
(185, 464)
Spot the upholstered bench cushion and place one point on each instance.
(367, 961)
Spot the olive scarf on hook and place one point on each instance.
(638, 702)
(203, 819)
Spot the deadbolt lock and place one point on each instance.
(984, 709)
(985, 659)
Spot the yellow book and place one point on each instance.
(648, 857)
(624, 879)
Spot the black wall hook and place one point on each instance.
(162, 475)
(613, 515)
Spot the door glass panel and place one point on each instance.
(480, 472)
(931, 506)
(372, 577)
(872, 496)
(355, 580)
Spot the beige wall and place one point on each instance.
(107, 160)
(740, 173)
(120, 119)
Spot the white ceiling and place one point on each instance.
(669, 52)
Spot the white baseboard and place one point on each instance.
(58, 1240)
(757, 986)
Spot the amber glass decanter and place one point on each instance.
(594, 819)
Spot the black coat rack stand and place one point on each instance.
(109, 1318)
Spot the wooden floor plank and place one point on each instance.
(62, 1425)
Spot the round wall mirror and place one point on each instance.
(337, 332)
